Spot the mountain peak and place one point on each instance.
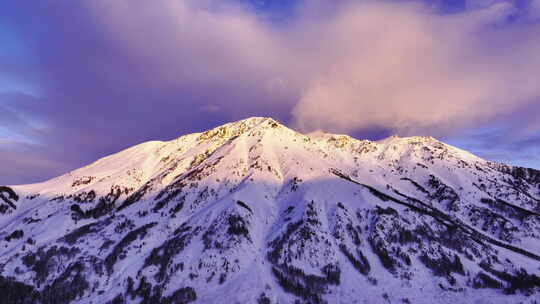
(236, 128)
(253, 121)
(253, 212)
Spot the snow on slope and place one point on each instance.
(253, 212)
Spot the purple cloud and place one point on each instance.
(99, 76)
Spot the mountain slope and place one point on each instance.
(253, 212)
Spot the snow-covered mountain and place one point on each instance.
(254, 212)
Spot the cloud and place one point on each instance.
(419, 72)
(535, 10)
(352, 67)
(24, 163)
(98, 76)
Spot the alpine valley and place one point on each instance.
(254, 212)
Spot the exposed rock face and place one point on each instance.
(253, 212)
(9, 197)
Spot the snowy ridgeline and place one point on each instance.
(253, 212)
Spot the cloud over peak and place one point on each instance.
(346, 66)
(360, 64)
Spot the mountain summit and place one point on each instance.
(254, 212)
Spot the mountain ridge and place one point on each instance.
(254, 212)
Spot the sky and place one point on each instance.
(80, 80)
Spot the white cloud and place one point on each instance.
(362, 64)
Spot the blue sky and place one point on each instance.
(80, 80)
